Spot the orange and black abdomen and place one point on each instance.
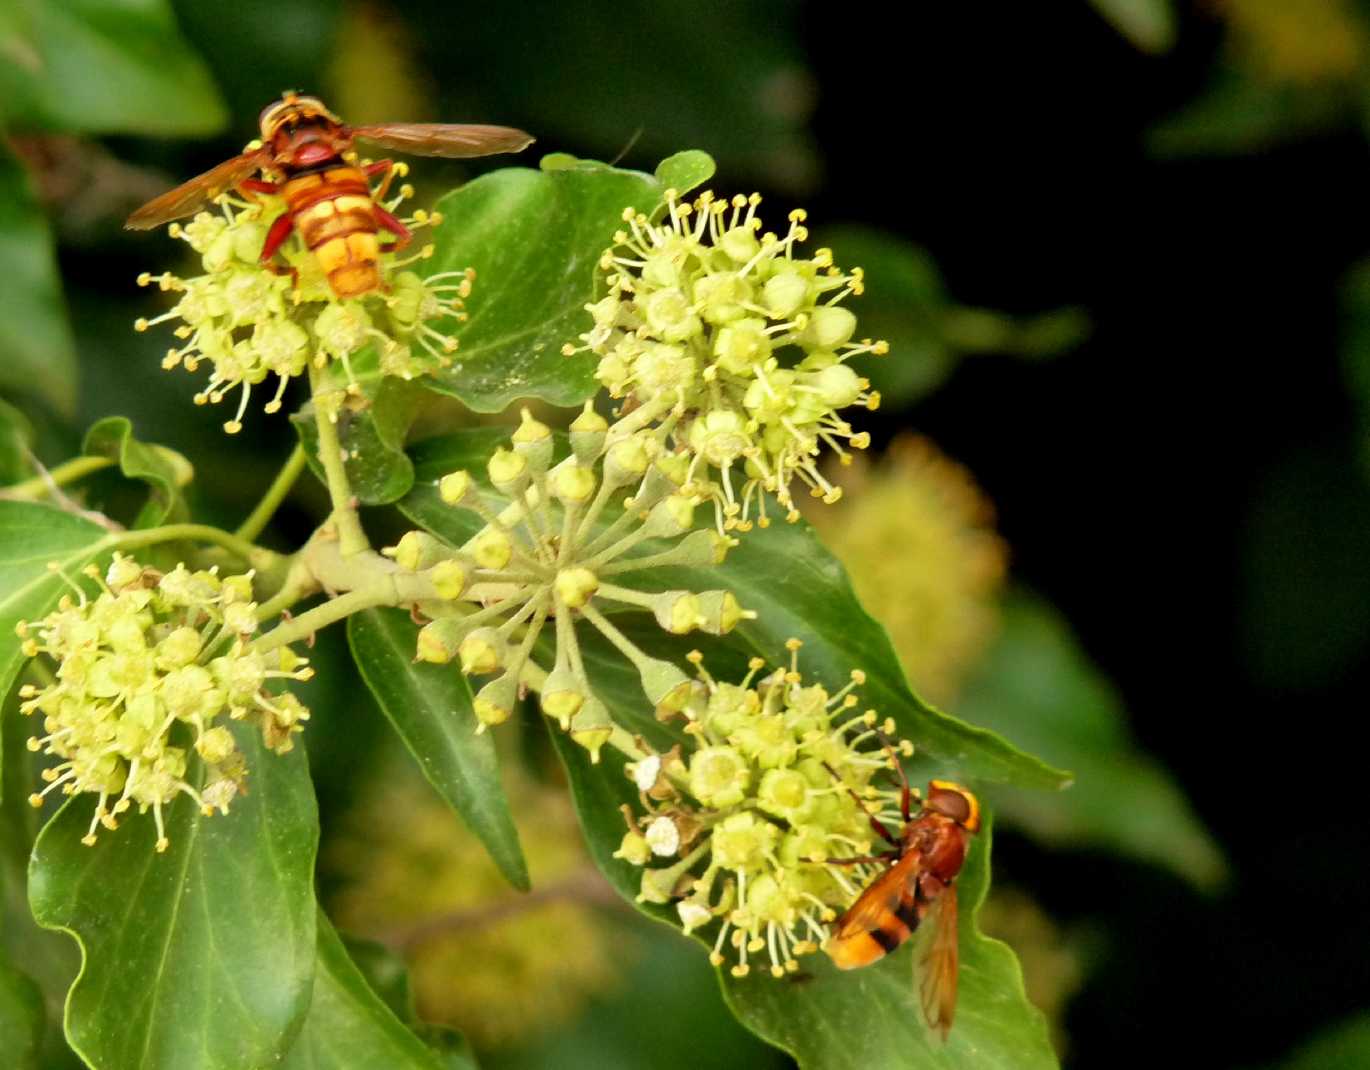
(333, 213)
(879, 921)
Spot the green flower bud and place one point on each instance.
(562, 696)
(454, 488)
(829, 326)
(720, 613)
(508, 471)
(576, 586)
(670, 517)
(491, 548)
(417, 550)
(482, 651)
(450, 578)
(179, 648)
(215, 745)
(678, 612)
(533, 441)
(439, 640)
(588, 432)
(633, 848)
(837, 386)
(626, 461)
(666, 686)
(494, 703)
(784, 293)
(573, 482)
(592, 726)
(740, 244)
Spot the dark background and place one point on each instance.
(1185, 485)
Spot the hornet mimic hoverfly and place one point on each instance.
(306, 154)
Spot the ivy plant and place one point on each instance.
(636, 576)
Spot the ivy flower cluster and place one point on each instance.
(757, 815)
(557, 555)
(250, 322)
(145, 672)
(743, 340)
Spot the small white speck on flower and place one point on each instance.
(645, 772)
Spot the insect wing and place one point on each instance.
(880, 919)
(190, 197)
(936, 965)
(448, 140)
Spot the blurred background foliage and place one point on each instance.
(1130, 535)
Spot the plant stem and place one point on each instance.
(275, 494)
(335, 609)
(351, 538)
(38, 487)
(256, 556)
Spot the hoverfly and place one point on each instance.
(918, 887)
(328, 196)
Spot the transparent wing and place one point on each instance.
(190, 197)
(937, 962)
(449, 140)
(874, 925)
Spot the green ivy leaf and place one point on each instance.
(1148, 24)
(685, 170)
(199, 958)
(534, 238)
(371, 429)
(49, 958)
(36, 351)
(104, 68)
(16, 440)
(818, 1021)
(164, 470)
(1037, 687)
(798, 589)
(430, 709)
(21, 1019)
(31, 536)
(348, 1025)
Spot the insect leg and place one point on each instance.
(907, 794)
(390, 223)
(248, 186)
(275, 238)
(876, 826)
(885, 856)
(381, 167)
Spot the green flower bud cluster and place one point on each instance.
(251, 321)
(144, 673)
(743, 341)
(761, 812)
(557, 554)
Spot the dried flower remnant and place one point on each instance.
(576, 543)
(763, 807)
(741, 344)
(251, 323)
(145, 672)
(918, 539)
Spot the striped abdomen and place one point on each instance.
(879, 921)
(333, 213)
